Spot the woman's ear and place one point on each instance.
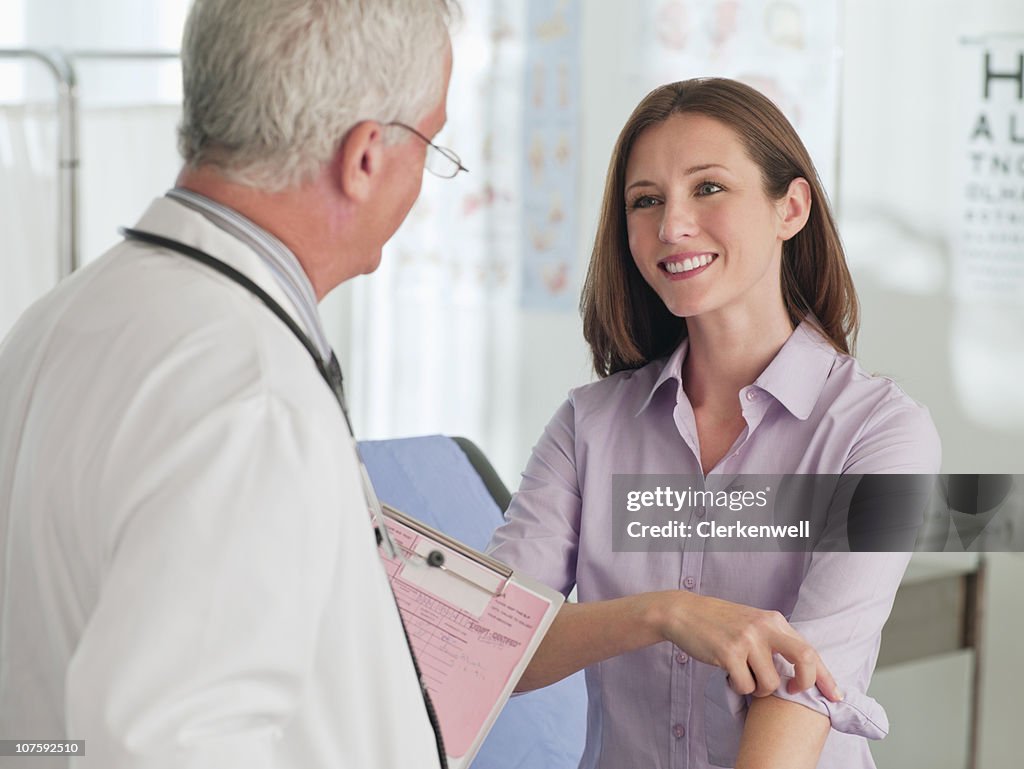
(358, 160)
(794, 208)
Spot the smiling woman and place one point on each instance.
(720, 314)
(684, 215)
(625, 321)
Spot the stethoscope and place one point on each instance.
(330, 370)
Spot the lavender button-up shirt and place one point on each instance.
(812, 410)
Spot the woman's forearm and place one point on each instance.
(586, 633)
(780, 734)
(737, 638)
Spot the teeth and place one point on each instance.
(688, 264)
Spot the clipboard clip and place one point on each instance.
(436, 557)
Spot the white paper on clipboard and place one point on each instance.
(473, 624)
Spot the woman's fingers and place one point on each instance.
(808, 667)
(828, 686)
(741, 680)
(741, 639)
(766, 677)
(805, 661)
(749, 659)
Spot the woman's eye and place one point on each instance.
(644, 201)
(709, 188)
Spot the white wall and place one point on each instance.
(899, 152)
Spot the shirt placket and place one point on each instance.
(754, 401)
(754, 404)
(680, 724)
(681, 720)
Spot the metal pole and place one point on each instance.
(91, 55)
(117, 55)
(60, 66)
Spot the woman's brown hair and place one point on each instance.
(624, 321)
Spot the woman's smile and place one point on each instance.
(687, 265)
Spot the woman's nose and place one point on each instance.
(678, 221)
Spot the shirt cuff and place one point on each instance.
(726, 712)
(856, 713)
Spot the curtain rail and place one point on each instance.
(61, 65)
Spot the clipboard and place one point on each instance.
(473, 623)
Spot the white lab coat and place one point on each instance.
(189, 576)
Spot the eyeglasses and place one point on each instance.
(441, 161)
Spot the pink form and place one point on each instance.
(465, 660)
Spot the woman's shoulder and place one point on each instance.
(849, 380)
(627, 390)
(884, 417)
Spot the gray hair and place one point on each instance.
(272, 86)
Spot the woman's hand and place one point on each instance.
(740, 639)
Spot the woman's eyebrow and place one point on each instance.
(703, 167)
(688, 172)
(640, 183)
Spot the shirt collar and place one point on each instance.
(672, 369)
(274, 254)
(795, 377)
(797, 374)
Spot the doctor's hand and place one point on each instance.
(741, 640)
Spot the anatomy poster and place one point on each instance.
(787, 49)
(550, 154)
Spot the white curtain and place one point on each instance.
(434, 331)
(126, 144)
(128, 157)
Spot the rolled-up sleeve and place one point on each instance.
(843, 604)
(845, 597)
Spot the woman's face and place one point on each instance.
(701, 230)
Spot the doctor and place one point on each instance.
(189, 572)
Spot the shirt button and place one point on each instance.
(679, 731)
(682, 658)
(689, 583)
(751, 395)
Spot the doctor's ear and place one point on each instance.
(794, 208)
(359, 159)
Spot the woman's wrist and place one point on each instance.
(665, 614)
